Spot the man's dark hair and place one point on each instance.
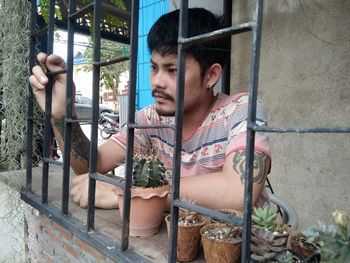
(163, 37)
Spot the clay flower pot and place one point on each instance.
(221, 243)
(300, 245)
(146, 209)
(188, 238)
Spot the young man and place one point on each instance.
(214, 126)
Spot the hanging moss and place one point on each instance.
(14, 71)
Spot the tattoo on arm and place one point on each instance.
(261, 165)
(80, 144)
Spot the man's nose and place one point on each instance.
(158, 80)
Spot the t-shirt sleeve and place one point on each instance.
(237, 127)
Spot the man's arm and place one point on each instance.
(225, 189)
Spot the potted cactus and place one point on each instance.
(269, 238)
(149, 192)
(188, 237)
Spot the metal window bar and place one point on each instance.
(100, 241)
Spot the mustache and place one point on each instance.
(160, 93)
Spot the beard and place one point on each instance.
(165, 113)
(158, 108)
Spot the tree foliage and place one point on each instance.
(110, 75)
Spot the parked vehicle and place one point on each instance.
(108, 124)
(83, 107)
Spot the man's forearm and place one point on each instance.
(80, 146)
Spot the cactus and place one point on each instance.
(148, 171)
(264, 218)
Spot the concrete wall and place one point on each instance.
(304, 81)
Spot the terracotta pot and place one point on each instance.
(301, 246)
(188, 240)
(146, 209)
(220, 251)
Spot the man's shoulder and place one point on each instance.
(226, 101)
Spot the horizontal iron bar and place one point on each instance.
(217, 34)
(35, 119)
(81, 120)
(137, 126)
(209, 212)
(300, 130)
(111, 61)
(50, 160)
(40, 32)
(123, 15)
(100, 242)
(80, 13)
(109, 178)
(55, 73)
(111, 9)
(84, 30)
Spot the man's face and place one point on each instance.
(163, 81)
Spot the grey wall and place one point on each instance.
(304, 82)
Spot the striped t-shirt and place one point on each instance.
(222, 133)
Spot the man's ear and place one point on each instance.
(213, 75)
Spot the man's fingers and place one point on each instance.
(76, 196)
(55, 63)
(42, 58)
(40, 75)
(36, 85)
(79, 178)
(83, 201)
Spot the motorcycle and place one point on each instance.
(108, 124)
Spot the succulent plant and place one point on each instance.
(332, 239)
(264, 246)
(264, 218)
(148, 171)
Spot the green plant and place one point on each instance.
(332, 239)
(265, 218)
(148, 171)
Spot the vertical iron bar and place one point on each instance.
(48, 100)
(253, 94)
(69, 102)
(131, 120)
(30, 121)
(227, 16)
(180, 87)
(95, 108)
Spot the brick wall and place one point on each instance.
(46, 242)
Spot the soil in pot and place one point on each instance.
(188, 235)
(221, 243)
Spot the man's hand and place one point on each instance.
(39, 80)
(104, 196)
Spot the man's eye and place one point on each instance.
(172, 70)
(153, 68)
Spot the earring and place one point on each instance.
(209, 86)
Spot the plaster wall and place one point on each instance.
(304, 82)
